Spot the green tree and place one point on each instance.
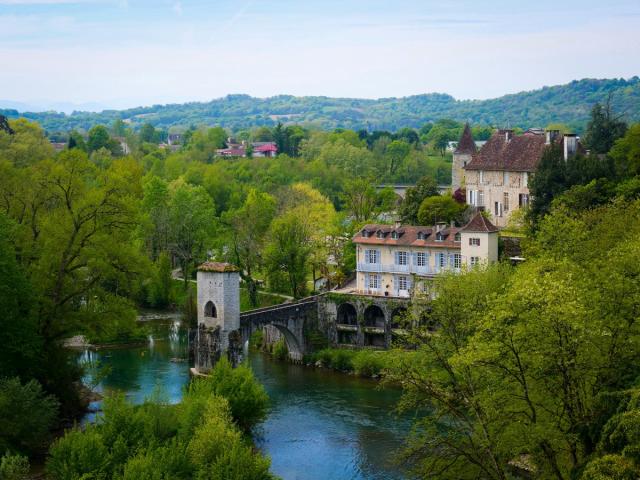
(414, 196)
(439, 209)
(98, 138)
(249, 226)
(148, 133)
(604, 128)
(626, 153)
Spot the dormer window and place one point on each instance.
(421, 236)
(365, 233)
(457, 237)
(380, 234)
(439, 237)
(394, 235)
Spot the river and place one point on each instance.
(321, 424)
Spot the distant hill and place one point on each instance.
(569, 104)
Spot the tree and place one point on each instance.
(439, 209)
(604, 128)
(249, 226)
(360, 199)
(549, 181)
(288, 251)
(98, 138)
(395, 154)
(76, 141)
(192, 223)
(414, 196)
(148, 133)
(626, 153)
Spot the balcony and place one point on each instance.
(370, 267)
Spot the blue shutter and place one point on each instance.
(395, 255)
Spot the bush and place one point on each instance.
(247, 397)
(26, 414)
(79, 455)
(280, 350)
(14, 467)
(368, 364)
(256, 340)
(342, 360)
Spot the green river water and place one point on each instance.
(321, 425)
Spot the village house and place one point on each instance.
(496, 177)
(258, 149)
(393, 259)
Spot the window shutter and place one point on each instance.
(366, 256)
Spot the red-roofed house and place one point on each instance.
(390, 259)
(260, 149)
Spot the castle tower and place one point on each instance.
(461, 157)
(218, 312)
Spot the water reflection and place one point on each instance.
(321, 424)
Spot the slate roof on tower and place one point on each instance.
(466, 145)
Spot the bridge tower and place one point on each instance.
(218, 315)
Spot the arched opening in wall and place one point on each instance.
(347, 315)
(347, 337)
(295, 351)
(210, 310)
(374, 317)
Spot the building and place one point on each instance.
(465, 149)
(391, 259)
(496, 177)
(259, 149)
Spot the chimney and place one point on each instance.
(570, 145)
(508, 134)
(397, 224)
(551, 136)
(440, 226)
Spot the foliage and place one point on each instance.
(194, 439)
(414, 197)
(13, 467)
(439, 209)
(280, 351)
(26, 414)
(365, 363)
(604, 128)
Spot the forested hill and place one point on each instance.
(569, 104)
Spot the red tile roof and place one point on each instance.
(408, 236)
(270, 147)
(479, 224)
(466, 145)
(519, 153)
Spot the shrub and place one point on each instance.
(610, 467)
(368, 364)
(280, 350)
(246, 396)
(342, 360)
(26, 414)
(239, 463)
(79, 455)
(257, 339)
(13, 467)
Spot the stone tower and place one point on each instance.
(218, 314)
(461, 157)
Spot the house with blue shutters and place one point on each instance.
(393, 259)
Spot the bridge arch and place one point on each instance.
(374, 317)
(347, 314)
(399, 318)
(295, 351)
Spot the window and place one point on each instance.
(457, 260)
(505, 201)
(472, 197)
(365, 233)
(421, 236)
(372, 256)
(523, 200)
(481, 177)
(525, 179)
(421, 259)
(373, 281)
(457, 237)
(498, 209)
(505, 178)
(380, 234)
(442, 260)
(475, 261)
(439, 237)
(403, 283)
(394, 235)
(401, 258)
(474, 242)
(480, 198)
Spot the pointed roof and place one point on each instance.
(479, 224)
(466, 145)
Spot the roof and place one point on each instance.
(408, 236)
(220, 267)
(270, 147)
(519, 153)
(466, 145)
(479, 224)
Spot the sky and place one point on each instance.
(124, 53)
